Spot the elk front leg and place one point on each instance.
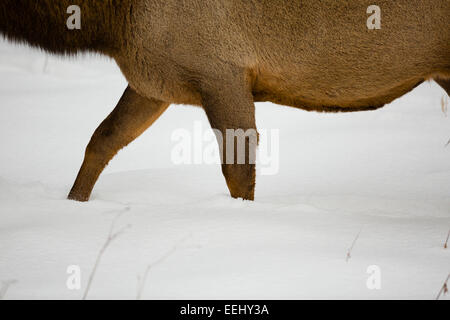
(131, 117)
(231, 112)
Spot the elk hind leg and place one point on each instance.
(131, 117)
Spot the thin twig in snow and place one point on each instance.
(44, 69)
(444, 104)
(111, 237)
(444, 288)
(143, 279)
(349, 252)
(5, 286)
(446, 241)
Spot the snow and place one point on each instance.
(383, 174)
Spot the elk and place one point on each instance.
(225, 55)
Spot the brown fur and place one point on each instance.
(227, 54)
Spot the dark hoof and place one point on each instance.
(78, 197)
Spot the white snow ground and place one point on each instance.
(386, 173)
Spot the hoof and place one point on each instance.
(77, 197)
(248, 194)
